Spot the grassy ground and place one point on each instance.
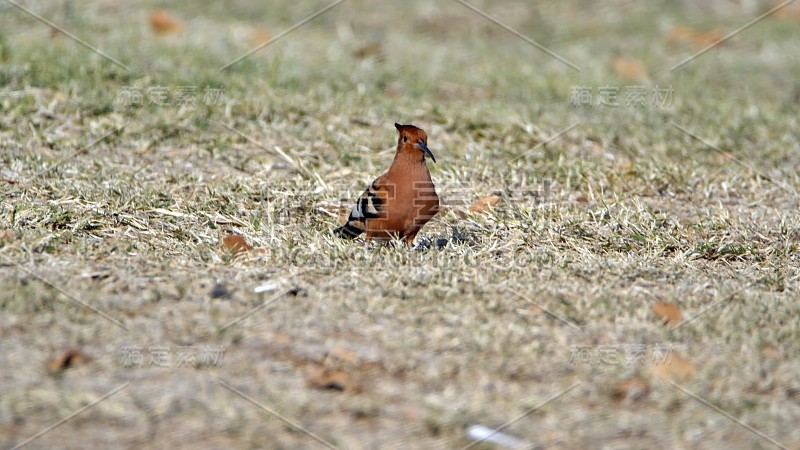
(118, 206)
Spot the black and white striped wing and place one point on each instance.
(370, 205)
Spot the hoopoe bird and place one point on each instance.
(400, 202)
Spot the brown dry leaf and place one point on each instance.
(682, 35)
(7, 236)
(722, 158)
(163, 23)
(669, 312)
(335, 380)
(674, 368)
(634, 389)
(679, 35)
(260, 36)
(373, 49)
(771, 352)
(629, 69)
(459, 212)
(707, 39)
(788, 12)
(235, 243)
(485, 204)
(69, 358)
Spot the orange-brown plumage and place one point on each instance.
(400, 202)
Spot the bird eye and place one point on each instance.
(405, 138)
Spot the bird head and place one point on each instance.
(413, 139)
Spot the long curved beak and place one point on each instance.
(425, 149)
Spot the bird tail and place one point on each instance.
(348, 231)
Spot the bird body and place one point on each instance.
(400, 202)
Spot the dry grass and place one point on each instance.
(124, 207)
